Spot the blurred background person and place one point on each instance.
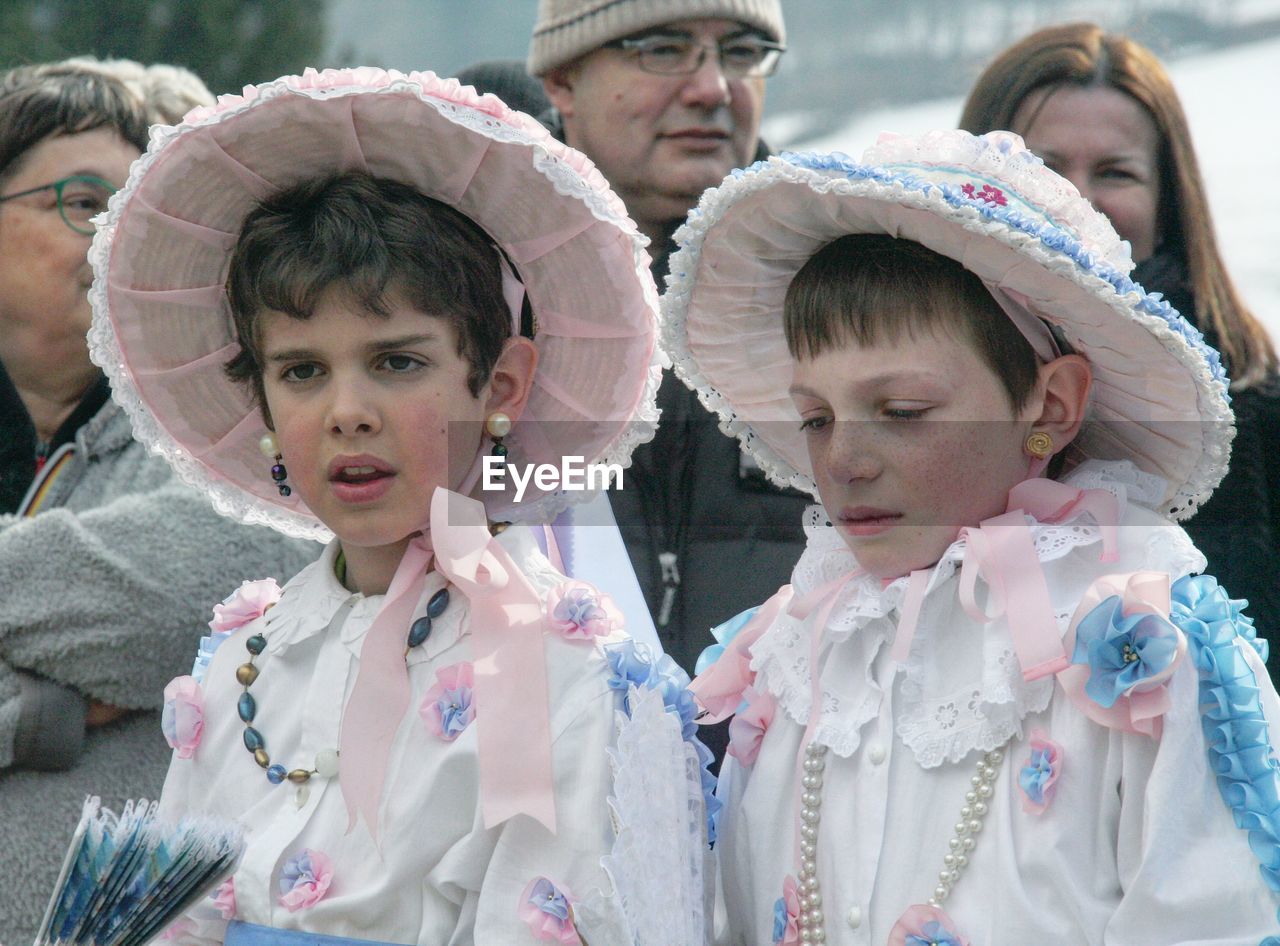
(108, 565)
(1100, 109)
(667, 99)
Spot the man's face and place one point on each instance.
(660, 140)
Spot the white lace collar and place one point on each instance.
(962, 688)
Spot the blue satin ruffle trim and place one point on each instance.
(1235, 727)
(251, 934)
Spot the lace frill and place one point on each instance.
(1075, 243)
(956, 695)
(569, 173)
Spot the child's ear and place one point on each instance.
(1064, 385)
(511, 379)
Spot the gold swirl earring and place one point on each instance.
(1038, 444)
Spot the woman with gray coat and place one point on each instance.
(108, 566)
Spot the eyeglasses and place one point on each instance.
(742, 57)
(80, 198)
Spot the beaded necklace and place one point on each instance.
(325, 763)
(960, 845)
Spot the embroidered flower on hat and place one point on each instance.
(988, 194)
(578, 611)
(1040, 773)
(923, 925)
(182, 719)
(747, 728)
(247, 603)
(786, 915)
(448, 708)
(224, 898)
(304, 880)
(548, 911)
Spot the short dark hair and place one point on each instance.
(44, 101)
(870, 288)
(371, 236)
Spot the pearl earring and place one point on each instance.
(270, 448)
(498, 426)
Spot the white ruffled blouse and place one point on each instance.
(1137, 847)
(439, 877)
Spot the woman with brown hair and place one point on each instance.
(1101, 111)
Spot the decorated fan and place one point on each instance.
(126, 877)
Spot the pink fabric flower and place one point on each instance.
(224, 898)
(548, 911)
(448, 708)
(1040, 773)
(304, 880)
(923, 925)
(182, 719)
(747, 728)
(786, 915)
(247, 603)
(1124, 651)
(578, 611)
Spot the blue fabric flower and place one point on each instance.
(1122, 651)
(631, 662)
(1035, 774)
(547, 897)
(779, 919)
(935, 934)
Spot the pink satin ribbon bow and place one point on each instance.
(512, 712)
(1001, 550)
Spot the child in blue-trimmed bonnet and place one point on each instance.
(997, 704)
(327, 302)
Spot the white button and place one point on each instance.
(875, 752)
(855, 917)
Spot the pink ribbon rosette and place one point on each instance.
(748, 726)
(1039, 774)
(786, 915)
(923, 925)
(719, 689)
(577, 611)
(1124, 651)
(224, 899)
(182, 719)
(247, 603)
(547, 909)
(304, 880)
(449, 707)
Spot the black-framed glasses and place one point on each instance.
(741, 57)
(81, 197)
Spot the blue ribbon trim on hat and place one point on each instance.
(1235, 728)
(1054, 237)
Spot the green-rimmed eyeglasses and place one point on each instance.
(81, 197)
(673, 54)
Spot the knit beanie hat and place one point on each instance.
(567, 29)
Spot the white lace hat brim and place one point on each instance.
(162, 328)
(1159, 394)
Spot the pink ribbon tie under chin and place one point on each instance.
(512, 713)
(513, 719)
(381, 692)
(1002, 552)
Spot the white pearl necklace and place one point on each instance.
(960, 845)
